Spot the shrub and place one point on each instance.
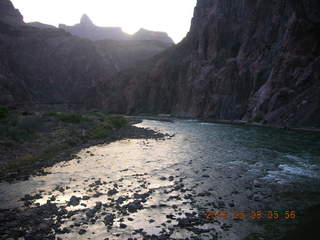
(70, 117)
(101, 131)
(99, 115)
(31, 124)
(52, 114)
(4, 112)
(104, 130)
(258, 118)
(19, 134)
(117, 121)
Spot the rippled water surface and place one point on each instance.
(202, 167)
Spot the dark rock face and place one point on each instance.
(8, 14)
(87, 29)
(144, 34)
(52, 66)
(43, 64)
(49, 66)
(241, 59)
(127, 54)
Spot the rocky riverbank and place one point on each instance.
(31, 140)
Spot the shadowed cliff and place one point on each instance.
(249, 60)
(41, 64)
(242, 60)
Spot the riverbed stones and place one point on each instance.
(98, 206)
(90, 213)
(122, 225)
(112, 192)
(121, 200)
(221, 204)
(134, 206)
(85, 198)
(141, 196)
(108, 219)
(74, 201)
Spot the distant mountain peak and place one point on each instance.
(87, 29)
(85, 20)
(145, 34)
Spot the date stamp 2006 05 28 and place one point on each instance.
(255, 215)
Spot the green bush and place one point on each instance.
(258, 118)
(66, 117)
(101, 131)
(117, 121)
(18, 134)
(4, 112)
(70, 117)
(104, 130)
(99, 115)
(52, 114)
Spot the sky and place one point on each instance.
(171, 16)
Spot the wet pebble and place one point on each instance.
(120, 200)
(108, 219)
(134, 206)
(98, 205)
(74, 201)
(231, 204)
(112, 192)
(122, 225)
(85, 198)
(90, 213)
(221, 204)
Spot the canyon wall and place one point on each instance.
(41, 64)
(241, 60)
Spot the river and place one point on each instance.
(165, 189)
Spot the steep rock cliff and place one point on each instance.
(43, 64)
(242, 59)
(48, 66)
(9, 14)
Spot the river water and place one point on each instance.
(171, 184)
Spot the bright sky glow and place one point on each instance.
(171, 16)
